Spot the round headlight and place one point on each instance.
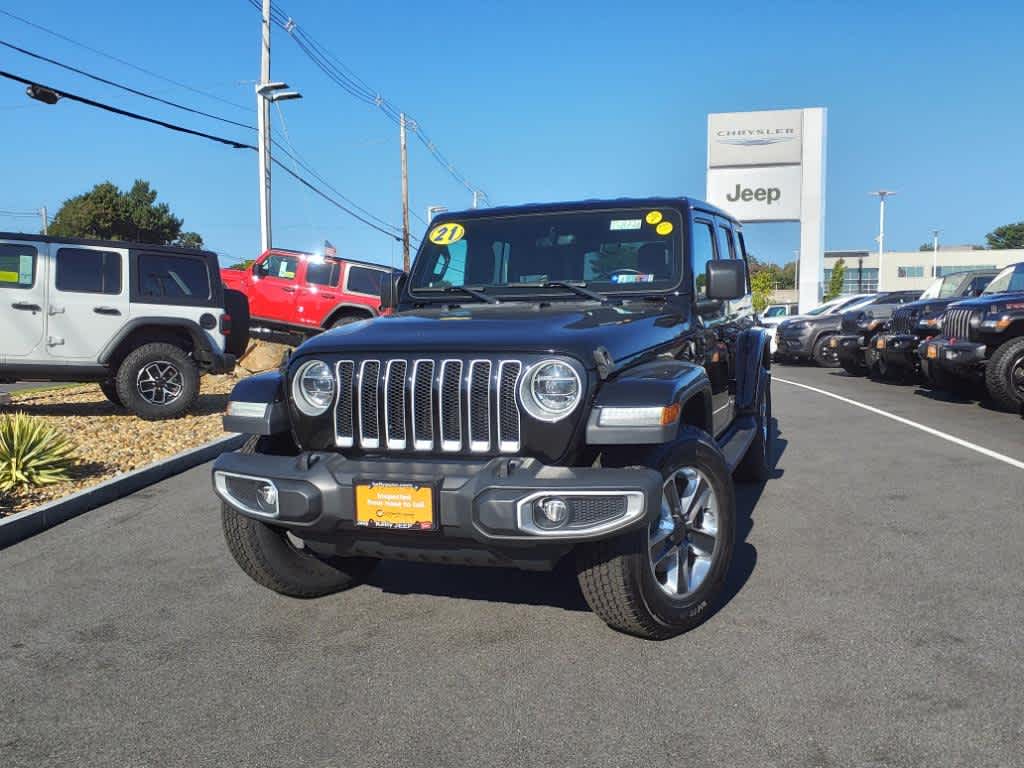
(551, 390)
(313, 388)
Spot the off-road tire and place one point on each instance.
(851, 367)
(132, 365)
(756, 465)
(1006, 364)
(615, 575)
(236, 304)
(109, 390)
(821, 355)
(270, 559)
(346, 320)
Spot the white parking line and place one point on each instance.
(949, 438)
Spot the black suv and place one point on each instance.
(855, 345)
(896, 350)
(580, 378)
(983, 339)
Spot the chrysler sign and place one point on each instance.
(754, 138)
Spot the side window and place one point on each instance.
(364, 280)
(282, 267)
(86, 271)
(17, 266)
(703, 252)
(978, 285)
(165, 276)
(326, 272)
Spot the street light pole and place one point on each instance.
(935, 252)
(881, 194)
(263, 126)
(45, 219)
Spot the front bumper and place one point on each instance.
(954, 355)
(898, 349)
(483, 510)
(794, 344)
(850, 348)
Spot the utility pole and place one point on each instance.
(46, 220)
(881, 194)
(263, 124)
(405, 192)
(935, 252)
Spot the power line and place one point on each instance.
(356, 87)
(136, 67)
(210, 137)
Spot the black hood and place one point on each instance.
(573, 328)
(983, 302)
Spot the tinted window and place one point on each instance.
(703, 252)
(86, 271)
(282, 267)
(172, 277)
(979, 284)
(17, 266)
(323, 272)
(364, 280)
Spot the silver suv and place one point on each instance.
(143, 321)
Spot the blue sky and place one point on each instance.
(532, 101)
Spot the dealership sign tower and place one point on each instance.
(770, 166)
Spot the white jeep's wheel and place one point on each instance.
(158, 381)
(664, 579)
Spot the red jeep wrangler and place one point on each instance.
(292, 293)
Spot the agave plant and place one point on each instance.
(32, 452)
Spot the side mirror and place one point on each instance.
(726, 279)
(391, 290)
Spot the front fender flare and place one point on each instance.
(753, 366)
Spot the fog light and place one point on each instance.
(267, 495)
(551, 512)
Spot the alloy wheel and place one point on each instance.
(160, 382)
(683, 540)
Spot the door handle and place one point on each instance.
(288, 289)
(27, 306)
(106, 310)
(329, 295)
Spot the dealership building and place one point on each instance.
(911, 270)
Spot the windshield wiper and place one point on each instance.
(479, 295)
(580, 289)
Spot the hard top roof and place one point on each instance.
(105, 243)
(595, 203)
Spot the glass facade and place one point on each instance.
(910, 271)
(856, 280)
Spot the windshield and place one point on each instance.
(1010, 279)
(611, 251)
(775, 312)
(944, 288)
(822, 309)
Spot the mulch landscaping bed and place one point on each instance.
(110, 440)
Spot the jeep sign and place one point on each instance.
(757, 194)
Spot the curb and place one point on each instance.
(22, 525)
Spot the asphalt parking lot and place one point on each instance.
(874, 618)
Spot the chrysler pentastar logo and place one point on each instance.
(755, 137)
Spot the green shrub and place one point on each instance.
(32, 453)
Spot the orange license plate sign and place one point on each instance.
(396, 506)
(932, 352)
(880, 344)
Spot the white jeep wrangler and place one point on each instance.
(143, 321)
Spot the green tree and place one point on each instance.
(763, 285)
(1006, 236)
(107, 213)
(835, 283)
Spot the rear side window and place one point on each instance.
(703, 252)
(80, 270)
(323, 273)
(17, 266)
(165, 277)
(365, 280)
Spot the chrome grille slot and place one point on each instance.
(451, 405)
(394, 403)
(344, 428)
(369, 426)
(444, 405)
(478, 383)
(423, 405)
(508, 410)
(956, 324)
(903, 321)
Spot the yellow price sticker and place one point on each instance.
(664, 228)
(446, 234)
(653, 217)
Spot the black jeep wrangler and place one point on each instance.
(859, 328)
(575, 379)
(896, 349)
(983, 340)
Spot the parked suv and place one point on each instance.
(983, 339)
(808, 337)
(896, 349)
(564, 379)
(859, 328)
(298, 294)
(830, 307)
(144, 321)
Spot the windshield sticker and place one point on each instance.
(632, 278)
(664, 228)
(654, 217)
(620, 224)
(446, 234)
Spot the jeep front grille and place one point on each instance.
(904, 321)
(425, 405)
(956, 323)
